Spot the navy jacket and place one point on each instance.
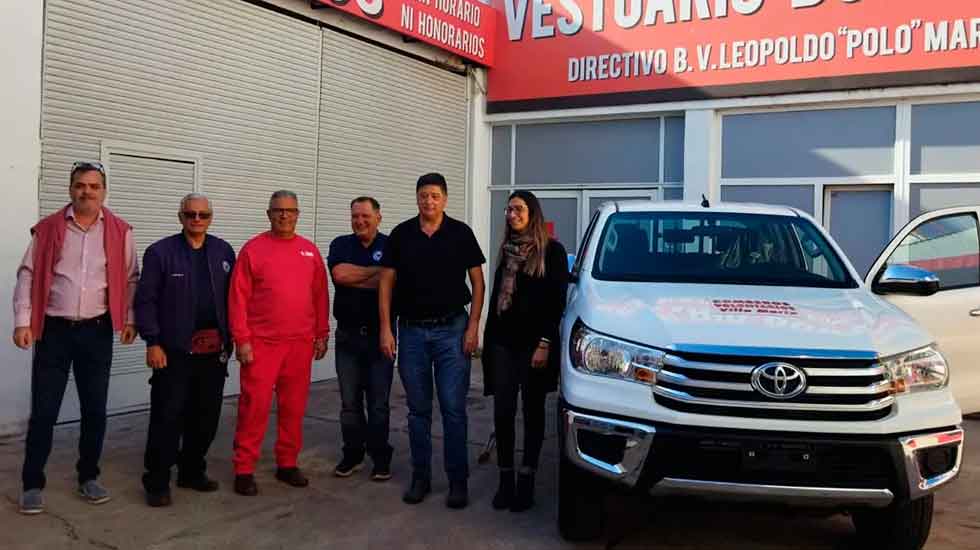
(164, 303)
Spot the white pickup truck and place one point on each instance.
(733, 352)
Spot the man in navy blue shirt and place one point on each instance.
(363, 372)
(181, 309)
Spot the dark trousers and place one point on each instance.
(185, 406)
(510, 378)
(86, 349)
(364, 375)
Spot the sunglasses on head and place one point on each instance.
(86, 166)
(192, 215)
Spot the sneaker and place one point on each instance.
(381, 471)
(416, 493)
(292, 476)
(347, 467)
(245, 485)
(93, 492)
(31, 502)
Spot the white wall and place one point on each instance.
(702, 155)
(21, 26)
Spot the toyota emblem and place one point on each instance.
(779, 380)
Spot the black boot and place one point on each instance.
(458, 494)
(505, 491)
(417, 491)
(523, 492)
(245, 485)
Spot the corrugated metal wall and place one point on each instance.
(230, 81)
(225, 97)
(385, 120)
(138, 195)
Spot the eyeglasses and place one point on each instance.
(86, 166)
(192, 215)
(281, 211)
(515, 209)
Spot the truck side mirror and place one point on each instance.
(905, 279)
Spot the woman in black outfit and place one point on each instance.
(521, 341)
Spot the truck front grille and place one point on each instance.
(773, 460)
(836, 389)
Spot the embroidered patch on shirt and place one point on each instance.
(176, 274)
(306, 253)
(226, 265)
(377, 255)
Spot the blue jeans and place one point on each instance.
(85, 349)
(423, 353)
(364, 375)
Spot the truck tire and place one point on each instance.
(580, 504)
(903, 526)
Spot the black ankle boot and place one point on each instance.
(420, 487)
(458, 494)
(523, 492)
(505, 491)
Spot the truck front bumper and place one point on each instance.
(801, 469)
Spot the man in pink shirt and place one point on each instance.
(74, 288)
(278, 312)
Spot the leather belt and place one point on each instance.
(77, 323)
(432, 321)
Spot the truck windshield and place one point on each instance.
(721, 248)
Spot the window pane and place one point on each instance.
(824, 143)
(945, 138)
(946, 246)
(796, 196)
(933, 196)
(860, 222)
(498, 202)
(744, 249)
(673, 193)
(617, 151)
(500, 168)
(674, 149)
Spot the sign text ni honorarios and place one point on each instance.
(464, 27)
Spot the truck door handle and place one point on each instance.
(975, 312)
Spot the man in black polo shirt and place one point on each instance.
(426, 263)
(363, 372)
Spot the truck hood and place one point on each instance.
(668, 315)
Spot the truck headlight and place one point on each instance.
(601, 355)
(920, 370)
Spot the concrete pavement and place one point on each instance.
(359, 513)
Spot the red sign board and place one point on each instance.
(464, 27)
(576, 53)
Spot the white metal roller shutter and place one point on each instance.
(385, 119)
(137, 194)
(230, 84)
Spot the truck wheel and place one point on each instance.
(903, 526)
(580, 503)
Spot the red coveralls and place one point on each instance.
(278, 302)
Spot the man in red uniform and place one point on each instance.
(278, 310)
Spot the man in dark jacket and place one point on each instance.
(181, 309)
